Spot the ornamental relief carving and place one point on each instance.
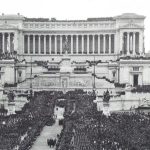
(131, 25)
(7, 26)
(79, 83)
(47, 82)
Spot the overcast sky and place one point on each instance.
(79, 9)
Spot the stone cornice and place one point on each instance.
(71, 32)
(135, 62)
(11, 17)
(131, 26)
(8, 27)
(7, 62)
(69, 25)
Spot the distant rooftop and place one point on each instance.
(55, 20)
(20, 17)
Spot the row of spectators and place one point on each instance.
(19, 131)
(87, 129)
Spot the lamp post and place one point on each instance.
(94, 88)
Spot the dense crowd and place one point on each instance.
(19, 131)
(87, 129)
(84, 128)
(141, 88)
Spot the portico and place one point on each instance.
(48, 44)
(7, 42)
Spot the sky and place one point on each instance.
(79, 9)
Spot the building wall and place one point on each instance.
(8, 75)
(102, 37)
(146, 74)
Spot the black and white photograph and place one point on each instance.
(75, 75)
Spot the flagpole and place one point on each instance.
(94, 76)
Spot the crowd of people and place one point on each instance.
(51, 142)
(88, 129)
(84, 128)
(19, 131)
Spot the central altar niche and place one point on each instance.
(65, 65)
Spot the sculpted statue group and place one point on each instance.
(106, 96)
(66, 46)
(8, 55)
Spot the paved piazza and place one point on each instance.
(48, 132)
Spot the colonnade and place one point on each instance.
(77, 44)
(6, 42)
(131, 42)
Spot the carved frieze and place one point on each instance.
(131, 25)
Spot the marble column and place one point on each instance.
(115, 40)
(61, 44)
(50, 44)
(33, 44)
(28, 44)
(71, 44)
(104, 43)
(134, 43)
(128, 42)
(93, 48)
(16, 42)
(77, 47)
(23, 43)
(39, 44)
(99, 44)
(131, 43)
(87, 44)
(3, 34)
(109, 44)
(44, 44)
(121, 41)
(55, 44)
(141, 42)
(82, 49)
(9, 43)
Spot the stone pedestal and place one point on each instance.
(106, 110)
(11, 108)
